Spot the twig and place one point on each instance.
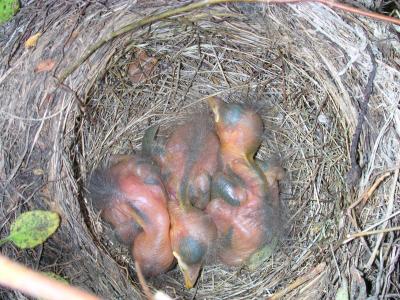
(80, 103)
(383, 221)
(366, 233)
(18, 277)
(353, 221)
(220, 66)
(388, 213)
(131, 27)
(368, 193)
(354, 174)
(299, 281)
(193, 78)
(357, 11)
(309, 183)
(200, 4)
(368, 229)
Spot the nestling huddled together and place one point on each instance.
(196, 197)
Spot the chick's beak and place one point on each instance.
(214, 104)
(190, 273)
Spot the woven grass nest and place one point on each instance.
(305, 66)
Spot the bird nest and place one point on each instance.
(307, 68)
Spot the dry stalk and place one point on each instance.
(16, 276)
(367, 194)
(389, 211)
(201, 4)
(366, 233)
(299, 281)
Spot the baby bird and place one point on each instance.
(192, 236)
(273, 173)
(241, 205)
(188, 161)
(133, 201)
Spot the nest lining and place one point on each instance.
(303, 66)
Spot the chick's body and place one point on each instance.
(240, 218)
(133, 200)
(241, 206)
(192, 236)
(188, 162)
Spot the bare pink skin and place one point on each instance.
(241, 211)
(189, 161)
(140, 200)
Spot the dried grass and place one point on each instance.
(304, 66)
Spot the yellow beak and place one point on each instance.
(213, 102)
(190, 273)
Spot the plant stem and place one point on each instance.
(299, 281)
(201, 4)
(18, 277)
(372, 232)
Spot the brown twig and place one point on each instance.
(358, 11)
(80, 103)
(18, 277)
(366, 233)
(369, 192)
(200, 4)
(353, 221)
(354, 174)
(389, 210)
(299, 281)
(309, 183)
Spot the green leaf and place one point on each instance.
(56, 277)
(8, 8)
(32, 228)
